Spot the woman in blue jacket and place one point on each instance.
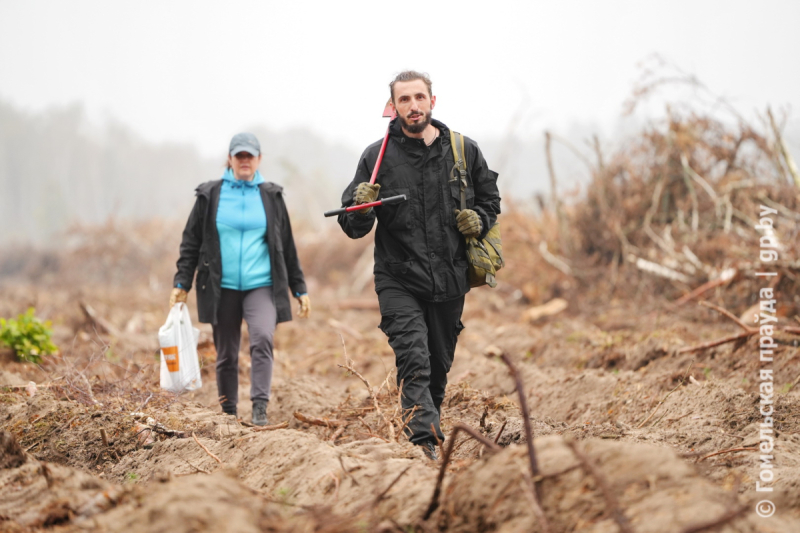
(239, 240)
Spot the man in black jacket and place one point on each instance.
(420, 253)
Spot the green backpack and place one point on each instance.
(485, 256)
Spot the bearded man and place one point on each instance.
(420, 253)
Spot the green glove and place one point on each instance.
(365, 193)
(469, 223)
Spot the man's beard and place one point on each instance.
(417, 127)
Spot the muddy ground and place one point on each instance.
(605, 376)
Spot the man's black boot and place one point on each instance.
(429, 449)
(260, 413)
(229, 409)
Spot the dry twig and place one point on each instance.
(730, 450)
(499, 433)
(372, 392)
(326, 422)
(730, 315)
(446, 459)
(526, 420)
(282, 425)
(337, 433)
(748, 332)
(385, 491)
(217, 459)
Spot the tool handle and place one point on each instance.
(380, 157)
(384, 201)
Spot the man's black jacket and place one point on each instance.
(200, 250)
(417, 243)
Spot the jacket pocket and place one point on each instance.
(202, 278)
(396, 217)
(455, 193)
(400, 268)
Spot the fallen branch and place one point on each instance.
(314, 421)
(657, 269)
(553, 307)
(697, 177)
(347, 472)
(408, 418)
(383, 494)
(718, 342)
(748, 331)
(729, 450)
(349, 367)
(282, 425)
(217, 459)
(446, 459)
(497, 438)
(730, 315)
(144, 404)
(372, 436)
(526, 420)
(560, 264)
(526, 414)
(372, 392)
(337, 433)
(611, 501)
(726, 276)
(197, 468)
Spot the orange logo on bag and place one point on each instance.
(170, 355)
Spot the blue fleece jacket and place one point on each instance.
(242, 228)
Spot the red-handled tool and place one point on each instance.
(383, 201)
(390, 112)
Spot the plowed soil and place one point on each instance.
(606, 376)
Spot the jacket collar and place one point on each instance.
(205, 189)
(257, 180)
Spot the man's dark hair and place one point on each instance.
(411, 75)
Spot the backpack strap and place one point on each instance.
(459, 170)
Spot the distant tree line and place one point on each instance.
(57, 168)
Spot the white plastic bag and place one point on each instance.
(180, 365)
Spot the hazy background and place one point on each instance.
(122, 108)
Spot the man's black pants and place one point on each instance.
(423, 336)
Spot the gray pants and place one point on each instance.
(258, 309)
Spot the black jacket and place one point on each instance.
(200, 250)
(417, 243)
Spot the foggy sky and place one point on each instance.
(197, 72)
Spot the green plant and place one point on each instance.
(28, 336)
